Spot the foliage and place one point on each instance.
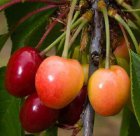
(29, 33)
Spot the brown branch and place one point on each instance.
(13, 2)
(95, 51)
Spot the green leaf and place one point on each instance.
(4, 1)
(9, 111)
(129, 126)
(30, 32)
(3, 39)
(52, 131)
(135, 83)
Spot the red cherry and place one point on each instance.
(21, 70)
(35, 116)
(71, 113)
(58, 81)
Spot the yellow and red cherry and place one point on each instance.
(109, 90)
(58, 81)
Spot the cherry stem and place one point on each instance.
(61, 44)
(76, 15)
(131, 10)
(50, 27)
(121, 21)
(128, 7)
(61, 36)
(103, 8)
(13, 2)
(77, 32)
(125, 36)
(67, 40)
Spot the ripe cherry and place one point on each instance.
(21, 70)
(109, 90)
(71, 113)
(35, 116)
(58, 81)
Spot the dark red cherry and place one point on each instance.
(35, 116)
(71, 113)
(21, 70)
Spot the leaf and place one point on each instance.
(135, 83)
(52, 131)
(129, 126)
(9, 111)
(4, 1)
(3, 39)
(30, 32)
(136, 3)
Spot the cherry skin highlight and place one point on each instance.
(58, 81)
(35, 116)
(21, 70)
(70, 114)
(109, 90)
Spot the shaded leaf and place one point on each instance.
(52, 131)
(9, 111)
(4, 1)
(30, 32)
(135, 83)
(129, 126)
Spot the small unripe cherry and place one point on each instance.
(35, 116)
(58, 81)
(122, 50)
(109, 90)
(21, 70)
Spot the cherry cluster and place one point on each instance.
(52, 88)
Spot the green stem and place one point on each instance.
(60, 44)
(121, 21)
(70, 15)
(76, 15)
(77, 31)
(53, 44)
(128, 7)
(131, 10)
(125, 36)
(61, 36)
(105, 14)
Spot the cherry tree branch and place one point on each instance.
(95, 50)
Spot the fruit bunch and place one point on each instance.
(55, 88)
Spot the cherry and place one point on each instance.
(70, 114)
(21, 69)
(58, 81)
(122, 50)
(35, 116)
(109, 90)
